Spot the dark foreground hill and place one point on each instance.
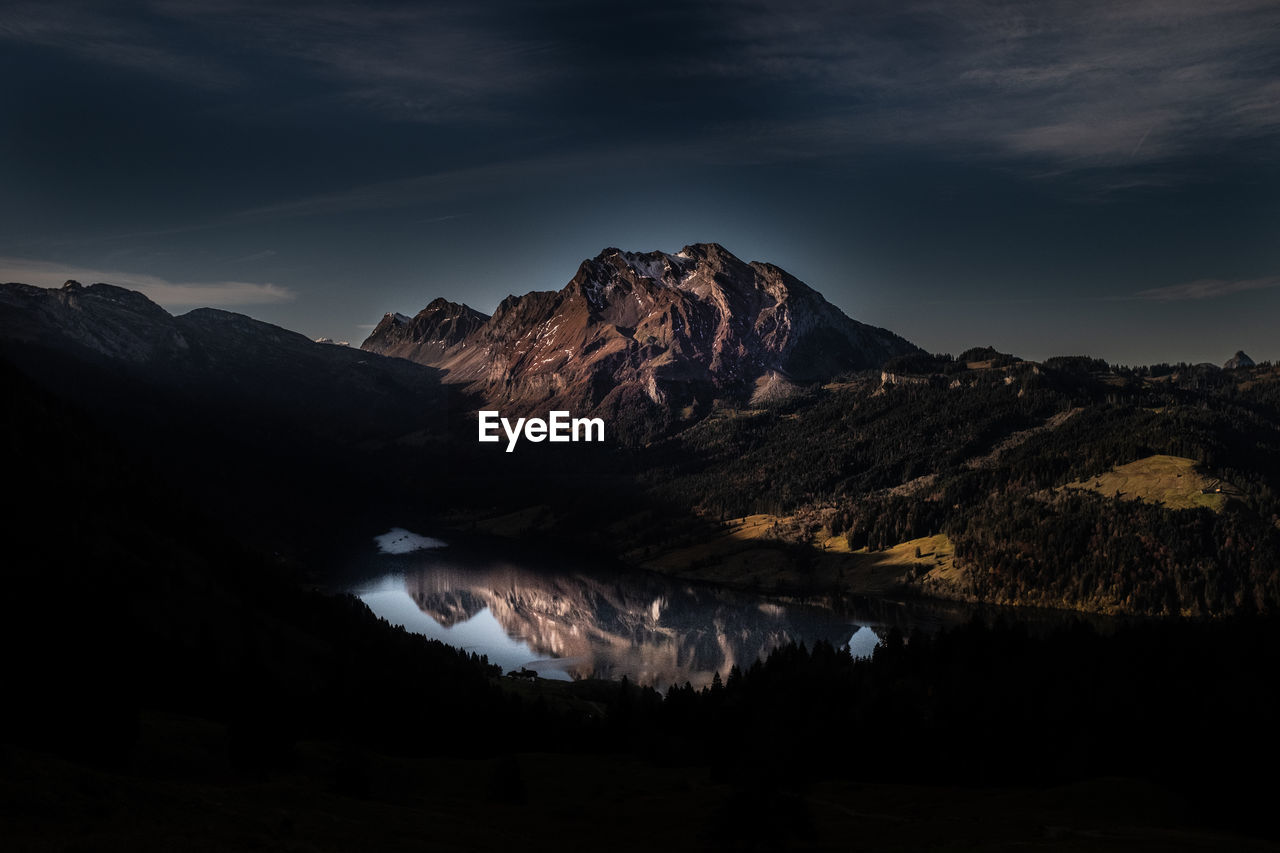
(167, 687)
(248, 419)
(227, 366)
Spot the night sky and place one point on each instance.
(1048, 178)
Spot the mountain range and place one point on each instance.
(223, 364)
(643, 339)
(759, 437)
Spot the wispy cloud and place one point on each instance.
(1207, 288)
(265, 254)
(429, 62)
(449, 185)
(417, 62)
(1076, 83)
(116, 37)
(402, 192)
(430, 220)
(170, 294)
(1066, 87)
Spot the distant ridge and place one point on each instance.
(90, 341)
(1238, 360)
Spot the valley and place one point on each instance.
(733, 427)
(783, 546)
(874, 469)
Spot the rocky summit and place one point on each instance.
(1238, 360)
(654, 335)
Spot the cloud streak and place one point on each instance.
(1207, 288)
(1079, 84)
(1070, 84)
(492, 179)
(169, 294)
(434, 63)
(115, 38)
(428, 63)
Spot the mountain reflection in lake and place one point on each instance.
(575, 623)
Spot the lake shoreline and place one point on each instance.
(781, 585)
(569, 617)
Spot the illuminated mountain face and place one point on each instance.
(642, 332)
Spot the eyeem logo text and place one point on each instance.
(559, 427)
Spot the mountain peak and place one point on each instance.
(701, 250)
(646, 261)
(643, 336)
(442, 304)
(119, 296)
(1238, 360)
(433, 330)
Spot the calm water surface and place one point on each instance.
(572, 622)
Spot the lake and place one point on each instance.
(570, 621)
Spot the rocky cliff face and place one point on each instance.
(657, 332)
(107, 321)
(430, 335)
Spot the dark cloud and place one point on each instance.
(1075, 84)
(430, 62)
(116, 36)
(899, 153)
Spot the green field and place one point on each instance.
(750, 553)
(1176, 482)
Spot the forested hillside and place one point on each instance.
(984, 452)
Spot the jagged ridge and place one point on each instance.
(653, 330)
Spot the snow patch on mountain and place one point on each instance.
(400, 541)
